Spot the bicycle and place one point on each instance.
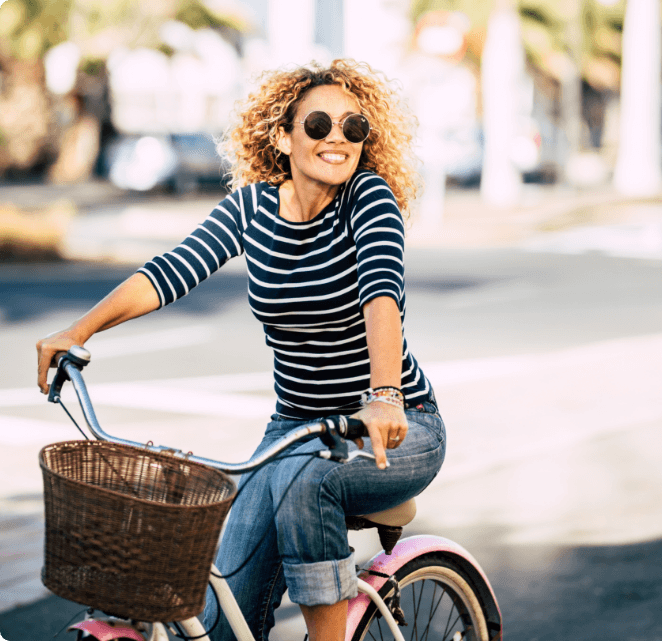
(427, 585)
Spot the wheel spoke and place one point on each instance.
(433, 612)
(452, 626)
(448, 627)
(379, 625)
(414, 631)
(452, 608)
(426, 632)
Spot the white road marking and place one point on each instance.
(19, 431)
(216, 394)
(500, 411)
(151, 342)
(170, 398)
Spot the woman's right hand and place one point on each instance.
(47, 348)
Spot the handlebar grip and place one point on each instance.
(78, 356)
(57, 358)
(355, 428)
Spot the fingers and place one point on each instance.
(44, 358)
(387, 428)
(396, 436)
(378, 449)
(47, 348)
(393, 441)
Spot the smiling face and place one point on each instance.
(332, 160)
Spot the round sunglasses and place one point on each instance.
(318, 125)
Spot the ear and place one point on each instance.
(284, 142)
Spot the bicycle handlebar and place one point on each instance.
(332, 429)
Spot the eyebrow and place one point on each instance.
(347, 113)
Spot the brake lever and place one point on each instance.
(60, 378)
(338, 450)
(79, 357)
(360, 454)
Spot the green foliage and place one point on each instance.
(197, 15)
(33, 26)
(93, 66)
(552, 30)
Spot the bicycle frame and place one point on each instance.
(228, 604)
(384, 566)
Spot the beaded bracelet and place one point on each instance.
(393, 391)
(390, 395)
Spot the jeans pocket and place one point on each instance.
(430, 419)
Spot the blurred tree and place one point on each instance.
(554, 32)
(29, 117)
(99, 26)
(573, 53)
(28, 28)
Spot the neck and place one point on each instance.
(300, 202)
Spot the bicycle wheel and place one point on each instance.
(438, 602)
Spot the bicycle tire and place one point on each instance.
(454, 606)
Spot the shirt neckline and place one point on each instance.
(313, 221)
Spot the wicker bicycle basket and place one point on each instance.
(130, 532)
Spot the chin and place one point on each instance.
(338, 175)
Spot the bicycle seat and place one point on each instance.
(395, 517)
(389, 523)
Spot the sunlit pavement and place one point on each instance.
(554, 443)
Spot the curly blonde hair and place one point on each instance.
(249, 144)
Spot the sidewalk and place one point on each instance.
(128, 233)
(547, 218)
(121, 227)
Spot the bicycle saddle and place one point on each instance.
(389, 523)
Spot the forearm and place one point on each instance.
(386, 423)
(384, 338)
(133, 298)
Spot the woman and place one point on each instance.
(322, 171)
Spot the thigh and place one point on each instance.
(413, 466)
(359, 487)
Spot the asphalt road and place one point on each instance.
(547, 371)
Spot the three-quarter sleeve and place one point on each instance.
(217, 239)
(378, 231)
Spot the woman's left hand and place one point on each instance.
(387, 428)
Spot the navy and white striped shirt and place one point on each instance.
(307, 285)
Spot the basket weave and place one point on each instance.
(128, 531)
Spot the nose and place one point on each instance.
(336, 134)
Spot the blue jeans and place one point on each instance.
(305, 547)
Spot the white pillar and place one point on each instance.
(502, 69)
(638, 171)
(291, 32)
(376, 32)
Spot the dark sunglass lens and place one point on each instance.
(317, 125)
(356, 128)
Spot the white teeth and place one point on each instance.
(333, 157)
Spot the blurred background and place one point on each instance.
(533, 269)
(506, 93)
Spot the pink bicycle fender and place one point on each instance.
(406, 550)
(105, 631)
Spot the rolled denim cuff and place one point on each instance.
(322, 583)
